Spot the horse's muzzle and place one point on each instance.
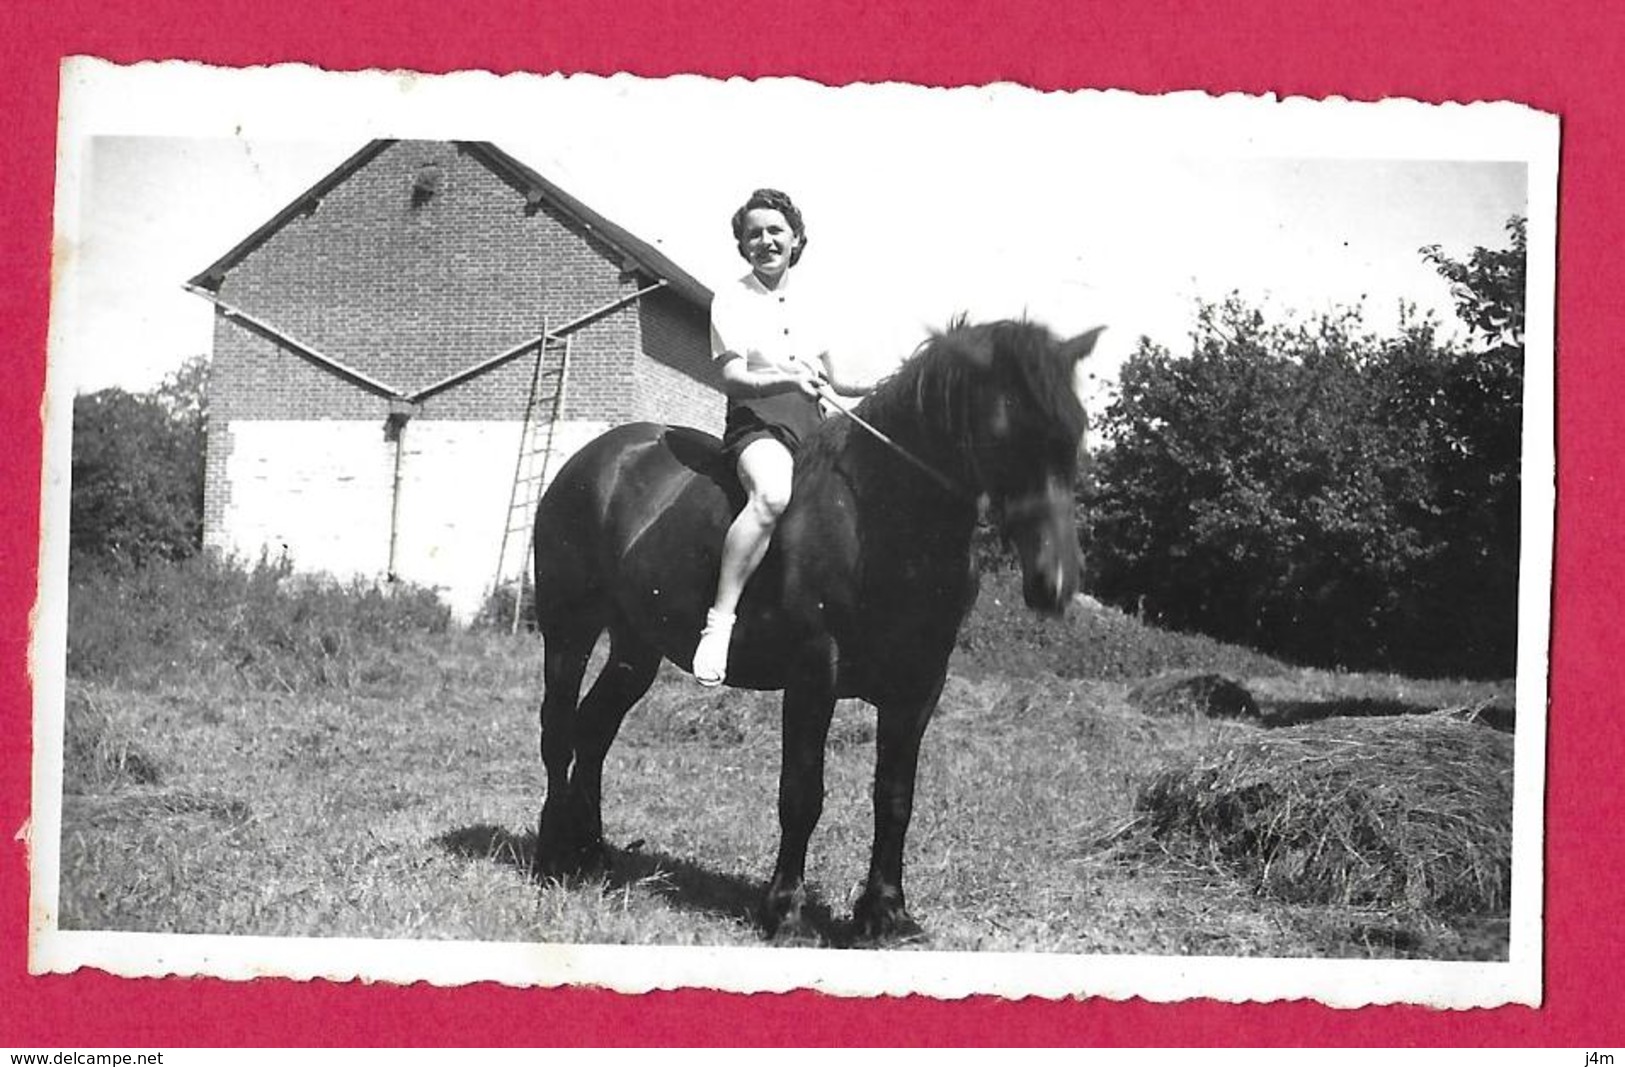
(1049, 589)
(1040, 526)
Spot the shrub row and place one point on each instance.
(263, 623)
(1321, 492)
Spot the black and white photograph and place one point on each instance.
(756, 535)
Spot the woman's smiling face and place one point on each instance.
(767, 241)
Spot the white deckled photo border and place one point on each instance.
(182, 100)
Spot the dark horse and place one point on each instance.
(861, 594)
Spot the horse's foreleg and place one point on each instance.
(627, 675)
(880, 912)
(557, 836)
(808, 707)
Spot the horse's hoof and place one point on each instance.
(594, 857)
(554, 863)
(902, 930)
(557, 857)
(549, 869)
(786, 922)
(551, 860)
(887, 921)
(795, 931)
(573, 865)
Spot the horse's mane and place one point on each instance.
(932, 386)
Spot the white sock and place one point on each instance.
(711, 654)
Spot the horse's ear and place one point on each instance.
(1076, 349)
(1080, 346)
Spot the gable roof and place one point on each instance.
(537, 190)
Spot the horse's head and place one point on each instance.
(1023, 422)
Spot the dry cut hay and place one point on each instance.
(1188, 694)
(1412, 812)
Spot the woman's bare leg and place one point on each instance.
(765, 470)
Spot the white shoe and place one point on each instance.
(711, 655)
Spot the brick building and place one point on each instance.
(378, 344)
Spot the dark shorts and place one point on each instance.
(786, 417)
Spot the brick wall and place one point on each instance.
(410, 290)
(677, 381)
(602, 377)
(216, 483)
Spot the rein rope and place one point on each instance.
(827, 393)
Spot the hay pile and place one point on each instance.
(1187, 694)
(1412, 812)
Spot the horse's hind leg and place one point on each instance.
(627, 675)
(558, 836)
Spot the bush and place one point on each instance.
(265, 624)
(496, 614)
(1322, 493)
(137, 470)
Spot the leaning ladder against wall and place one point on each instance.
(543, 408)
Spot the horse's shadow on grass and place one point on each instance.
(1494, 714)
(680, 882)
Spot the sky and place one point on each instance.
(1073, 209)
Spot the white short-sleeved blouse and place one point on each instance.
(768, 327)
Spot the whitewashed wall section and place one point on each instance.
(317, 491)
(322, 492)
(457, 479)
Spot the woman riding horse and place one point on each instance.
(860, 593)
(765, 337)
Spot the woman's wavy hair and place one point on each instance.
(777, 201)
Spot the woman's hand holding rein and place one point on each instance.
(740, 381)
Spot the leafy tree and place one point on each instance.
(1489, 286)
(1473, 585)
(137, 470)
(184, 394)
(1321, 492)
(1251, 490)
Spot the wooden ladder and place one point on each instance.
(543, 407)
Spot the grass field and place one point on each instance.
(307, 770)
